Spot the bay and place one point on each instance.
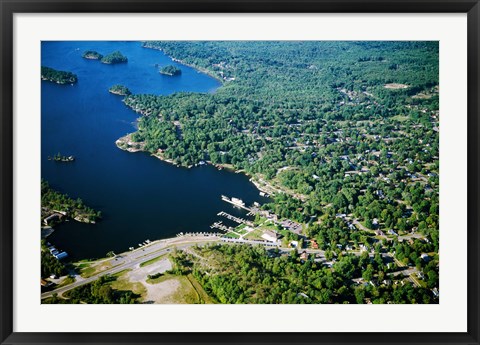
(140, 197)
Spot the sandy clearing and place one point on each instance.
(139, 274)
(157, 293)
(162, 292)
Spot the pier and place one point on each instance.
(235, 203)
(205, 234)
(219, 225)
(235, 219)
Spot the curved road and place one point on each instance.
(134, 258)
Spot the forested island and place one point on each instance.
(92, 55)
(57, 207)
(343, 135)
(119, 90)
(59, 77)
(113, 58)
(170, 70)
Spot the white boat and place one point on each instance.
(238, 201)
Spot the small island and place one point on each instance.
(171, 70)
(61, 158)
(119, 90)
(113, 58)
(92, 55)
(59, 77)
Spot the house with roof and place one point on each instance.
(270, 236)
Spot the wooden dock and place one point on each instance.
(219, 225)
(235, 219)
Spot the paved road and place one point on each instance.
(130, 260)
(134, 258)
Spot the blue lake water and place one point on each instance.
(140, 197)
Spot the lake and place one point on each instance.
(140, 197)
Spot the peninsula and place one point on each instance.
(57, 207)
(331, 149)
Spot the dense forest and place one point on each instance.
(244, 274)
(344, 135)
(98, 292)
(49, 264)
(59, 77)
(115, 57)
(315, 119)
(57, 206)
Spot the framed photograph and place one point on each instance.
(239, 172)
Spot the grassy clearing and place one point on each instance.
(400, 118)
(94, 269)
(260, 221)
(204, 297)
(185, 294)
(67, 281)
(123, 284)
(232, 235)
(151, 261)
(190, 290)
(255, 235)
(119, 274)
(160, 279)
(240, 227)
(268, 226)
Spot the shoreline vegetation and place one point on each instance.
(126, 143)
(149, 45)
(343, 140)
(213, 264)
(59, 77)
(155, 116)
(57, 207)
(343, 136)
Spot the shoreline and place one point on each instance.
(262, 185)
(126, 140)
(200, 69)
(125, 143)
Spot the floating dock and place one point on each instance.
(235, 219)
(235, 202)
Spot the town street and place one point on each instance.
(130, 260)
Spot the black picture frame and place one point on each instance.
(10, 7)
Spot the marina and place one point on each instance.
(236, 202)
(221, 226)
(235, 219)
(156, 199)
